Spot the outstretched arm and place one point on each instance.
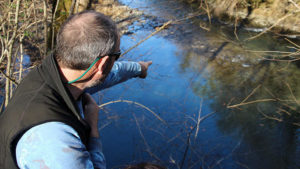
(121, 72)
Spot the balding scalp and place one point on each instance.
(84, 37)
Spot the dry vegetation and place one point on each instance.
(23, 31)
(281, 14)
(27, 30)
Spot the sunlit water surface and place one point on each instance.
(180, 115)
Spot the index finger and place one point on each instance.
(149, 63)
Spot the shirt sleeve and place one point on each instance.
(58, 146)
(120, 72)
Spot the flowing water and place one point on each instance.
(211, 100)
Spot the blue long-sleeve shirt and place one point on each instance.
(57, 145)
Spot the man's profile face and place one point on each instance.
(105, 73)
(108, 66)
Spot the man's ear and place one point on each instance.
(102, 63)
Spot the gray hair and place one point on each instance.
(84, 37)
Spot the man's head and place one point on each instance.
(84, 37)
(87, 42)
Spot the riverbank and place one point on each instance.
(281, 15)
(121, 14)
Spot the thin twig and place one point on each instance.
(257, 51)
(254, 90)
(186, 148)
(188, 141)
(131, 102)
(77, 6)
(188, 17)
(268, 91)
(235, 27)
(294, 3)
(21, 58)
(45, 28)
(173, 138)
(223, 158)
(293, 43)
(71, 11)
(206, 116)
(289, 87)
(269, 117)
(53, 27)
(33, 23)
(242, 165)
(276, 23)
(9, 56)
(9, 78)
(207, 11)
(198, 121)
(34, 13)
(161, 28)
(153, 33)
(103, 126)
(285, 111)
(296, 124)
(281, 60)
(2, 49)
(251, 102)
(148, 149)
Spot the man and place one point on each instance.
(50, 121)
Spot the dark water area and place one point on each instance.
(210, 100)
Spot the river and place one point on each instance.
(212, 99)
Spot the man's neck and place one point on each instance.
(76, 89)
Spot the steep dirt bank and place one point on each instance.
(285, 14)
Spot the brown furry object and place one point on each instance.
(145, 166)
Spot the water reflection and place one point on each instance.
(252, 104)
(266, 112)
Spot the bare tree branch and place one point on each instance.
(45, 28)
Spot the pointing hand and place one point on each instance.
(144, 66)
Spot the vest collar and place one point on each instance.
(50, 72)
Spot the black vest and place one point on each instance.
(41, 97)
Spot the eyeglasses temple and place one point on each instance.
(70, 82)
